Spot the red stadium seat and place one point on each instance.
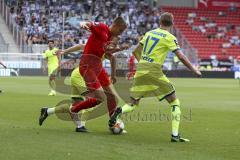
(198, 40)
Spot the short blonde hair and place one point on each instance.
(166, 19)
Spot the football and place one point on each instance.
(118, 127)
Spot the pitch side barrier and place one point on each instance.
(123, 73)
(189, 74)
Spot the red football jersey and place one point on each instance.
(94, 49)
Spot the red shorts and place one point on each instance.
(95, 77)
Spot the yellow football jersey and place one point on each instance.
(156, 45)
(51, 57)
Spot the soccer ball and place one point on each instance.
(118, 127)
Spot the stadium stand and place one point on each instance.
(3, 44)
(41, 17)
(40, 21)
(215, 32)
(7, 43)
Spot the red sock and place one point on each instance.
(88, 103)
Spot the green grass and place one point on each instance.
(213, 128)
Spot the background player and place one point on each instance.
(149, 79)
(53, 63)
(131, 67)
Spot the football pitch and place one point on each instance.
(211, 120)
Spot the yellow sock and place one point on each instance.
(128, 108)
(52, 85)
(176, 114)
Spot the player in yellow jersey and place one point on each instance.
(78, 92)
(78, 88)
(53, 64)
(149, 79)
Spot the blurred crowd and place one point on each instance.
(43, 19)
(230, 33)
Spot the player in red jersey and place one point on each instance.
(95, 76)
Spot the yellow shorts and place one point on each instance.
(52, 71)
(150, 83)
(77, 90)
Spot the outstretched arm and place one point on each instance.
(138, 51)
(112, 48)
(71, 49)
(44, 64)
(187, 63)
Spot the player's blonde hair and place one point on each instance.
(166, 19)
